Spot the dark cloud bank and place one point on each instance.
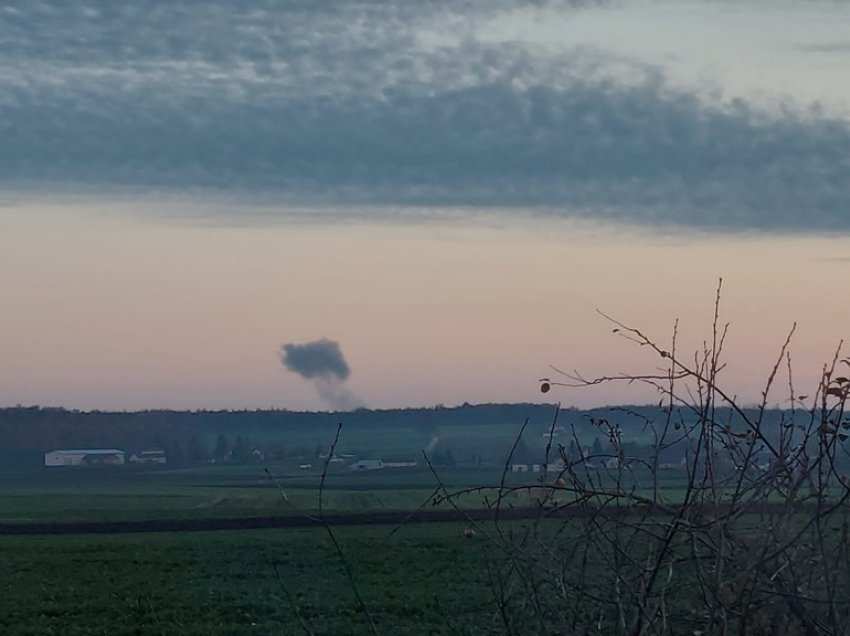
(351, 103)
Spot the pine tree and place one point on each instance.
(222, 448)
(596, 450)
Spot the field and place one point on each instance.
(422, 580)
(120, 494)
(414, 579)
(125, 494)
(239, 582)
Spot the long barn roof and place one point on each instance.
(89, 451)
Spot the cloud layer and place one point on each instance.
(374, 102)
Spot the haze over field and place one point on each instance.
(447, 191)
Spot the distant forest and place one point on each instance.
(467, 432)
(184, 433)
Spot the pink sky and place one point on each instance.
(151, 162)
(102, 309)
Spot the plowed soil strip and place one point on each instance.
(253, 523)
(351, 519)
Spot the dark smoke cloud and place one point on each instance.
(322, 362)
(320, 358)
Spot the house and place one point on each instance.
(85, 457)
(148, 457)
(554, 432)
(519, 468)
(335, 459)
(555, 467)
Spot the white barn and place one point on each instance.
(85, 457)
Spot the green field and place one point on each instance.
(115, 494)
(122, 494)
(422, 580)
(539, 575)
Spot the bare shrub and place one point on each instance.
(753, 540)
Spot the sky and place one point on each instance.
(449, 191)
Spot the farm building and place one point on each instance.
(555, 467)
(367, 464)
(379, 464)
(148, 457)
(85, 457)
(536, 468)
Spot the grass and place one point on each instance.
(116, 495)
(424, 579)
(419, 581)
(227, 491)
(139, 504)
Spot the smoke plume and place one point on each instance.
(322, 362)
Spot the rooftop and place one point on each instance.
(89, 451)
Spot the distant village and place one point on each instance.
(116, 457)
(158, 442)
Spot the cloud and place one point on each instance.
(825, 47)
(375, 103)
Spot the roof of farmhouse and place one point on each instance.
(89, 451)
